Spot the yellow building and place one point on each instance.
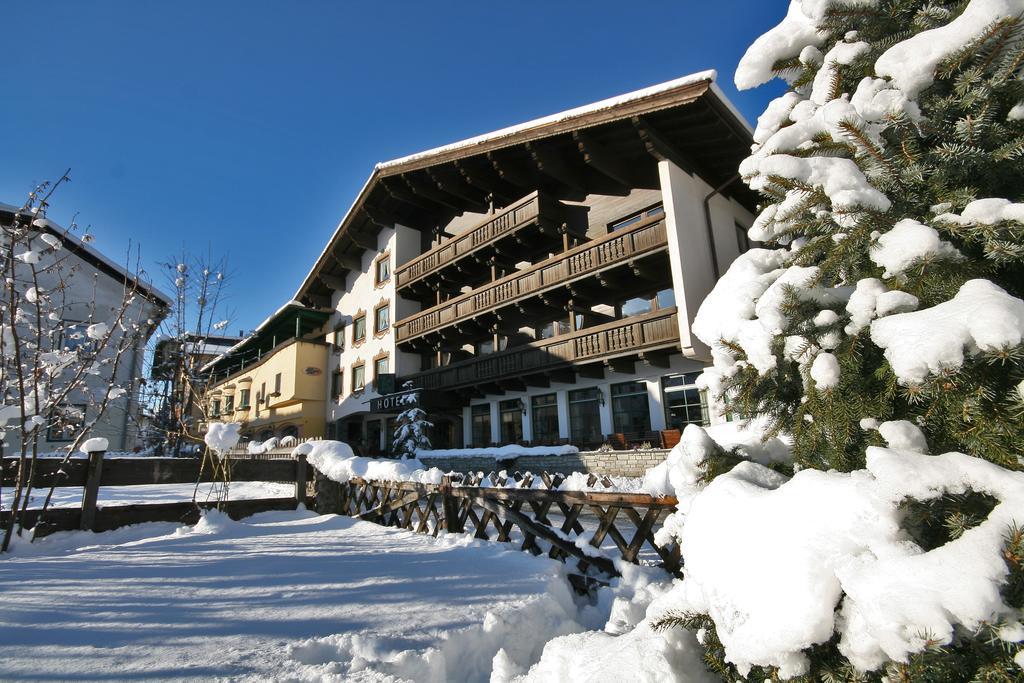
(274, 381)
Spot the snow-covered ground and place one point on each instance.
(71, 496)
(279, 595)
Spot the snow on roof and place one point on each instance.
(467, 144)
(82, 249)
(252, 334)
(577, 112)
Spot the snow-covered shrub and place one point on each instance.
(411, 433)
(885, 308)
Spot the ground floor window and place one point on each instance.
(585, 416)
(545, 418)
(66, 422)
(480, 418)
(389, 433)
(684, 402)
(373, 434)
(511, 420)
(630, 408)
(290, 430)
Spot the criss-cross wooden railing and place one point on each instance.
(533, 512)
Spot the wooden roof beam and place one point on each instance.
(658, 146)
(428, 189)
(487, 179)
(400, 193)
(601, 160)
(452, 182)
(551, 163)
(511, 173)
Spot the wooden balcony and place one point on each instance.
(535, 211)
(612, 250)
(630, 336)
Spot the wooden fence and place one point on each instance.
(585, 526)
(95, 471)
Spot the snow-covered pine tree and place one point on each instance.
(892, 173)
(411, 428)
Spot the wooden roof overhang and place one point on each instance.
(607, 151)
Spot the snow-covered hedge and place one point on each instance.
(336, 461)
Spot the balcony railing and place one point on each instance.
(586, 259)
(622, 337)
(531, 209)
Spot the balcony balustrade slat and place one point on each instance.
(576, 263)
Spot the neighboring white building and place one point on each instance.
(538, 283)
(94, 288)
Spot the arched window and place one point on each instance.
(290, 430)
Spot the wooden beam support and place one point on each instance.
(399, 191)
(658, 146)
(491, 388)
(426, 188)
(551, 163)
(451, 181)
(537, 380)
(512, 384)
(363, 241)
(512, 173)
(598, 158)
(335, 282)
(486, 178)
(590, 370)
(625, 365)
(563, 376)
(658, 359)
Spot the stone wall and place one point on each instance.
(607, 463)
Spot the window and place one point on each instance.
(381, 379)
(684, 402)
(511, 413)
(585, 416)
(358, 377)
(65, 423)
(742, 238)
(229, 404)
(636, 218)
(277, 384)
(666, 298)
(382, 269)
(545, 418)
(336, 383)
(630, 409)
(373, 434)
(481, 420)
(381, 319)
(73, 336)
(243, 399)
(636, 306)
(339, 337)
(389, 433)
(557, 327)
(215, 408)
(359, 329)
(487, 346)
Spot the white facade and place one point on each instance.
(92, 291)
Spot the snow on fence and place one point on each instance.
(563, 524)
(95, 471)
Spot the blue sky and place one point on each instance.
(245, 129)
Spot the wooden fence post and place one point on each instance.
(300, 479)
(450, 506)
(92, 490)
